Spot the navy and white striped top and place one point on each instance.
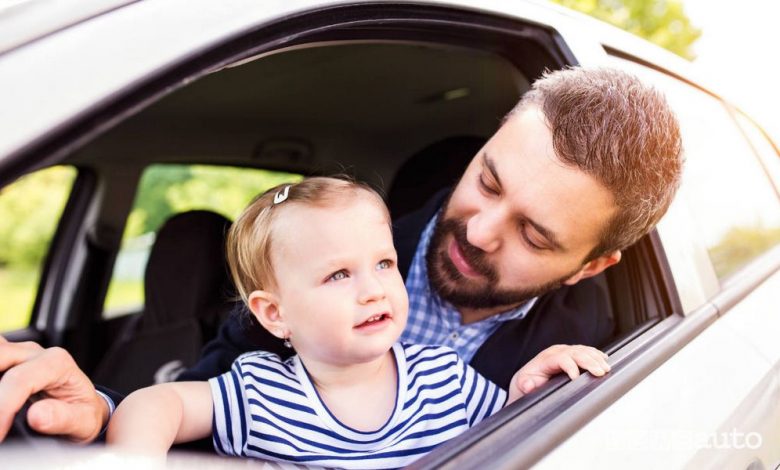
(268, 408)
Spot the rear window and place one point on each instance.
(166, 190)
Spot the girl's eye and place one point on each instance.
(338, 275)
(384, 264)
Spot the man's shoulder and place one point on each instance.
(577, 314)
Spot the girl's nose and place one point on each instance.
(371, 289)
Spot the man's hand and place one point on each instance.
(553, 360)
(70, 405)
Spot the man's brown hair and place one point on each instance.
(620, 131)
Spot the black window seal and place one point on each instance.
(632, 58)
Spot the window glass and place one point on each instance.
(166, 190)
(30, 209)
(733, 203)
(763, 147)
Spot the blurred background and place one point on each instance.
(731, 43)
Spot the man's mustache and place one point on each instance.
(474, 256)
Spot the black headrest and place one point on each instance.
(437, 166)
(187, 273)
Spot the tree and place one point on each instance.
(30, 209)
(662, 22)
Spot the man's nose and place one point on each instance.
(371, 289)
(484, 230)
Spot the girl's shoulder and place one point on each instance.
(264, 358)
(255, 364)
(427, 352)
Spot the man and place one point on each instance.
(499, 269)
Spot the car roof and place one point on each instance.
(22, 22)
(43, 79)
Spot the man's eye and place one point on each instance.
(338, 275)
(384, 264)
(486, 187)
(529, 242)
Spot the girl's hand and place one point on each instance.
(553, 360)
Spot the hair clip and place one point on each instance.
(281, 196)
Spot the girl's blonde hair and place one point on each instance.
(250, 239)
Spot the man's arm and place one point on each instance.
(71, 406)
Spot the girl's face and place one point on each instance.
(339, 291)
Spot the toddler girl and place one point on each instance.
(315, 263)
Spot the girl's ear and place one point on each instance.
(265, 307)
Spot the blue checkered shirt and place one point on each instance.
(435, 321)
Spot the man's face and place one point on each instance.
(519, 223)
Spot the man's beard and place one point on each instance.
(463, 292)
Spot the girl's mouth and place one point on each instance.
(375, 320)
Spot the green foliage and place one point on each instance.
(741, 245)
(17, 289)
(170, 189)
(151, 205)
(166, 190)
(30, 209)
(662, 22)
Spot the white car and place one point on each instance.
(167, 106)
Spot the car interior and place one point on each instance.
(403, 116)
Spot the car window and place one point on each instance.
(166, 190)
(30, 209)
(763, 147)
(734, 205)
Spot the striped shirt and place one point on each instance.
(433, 320)
(268, 408)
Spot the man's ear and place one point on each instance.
(265, 307)
(594, 266)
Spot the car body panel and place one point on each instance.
(54, 66)
(676, 416)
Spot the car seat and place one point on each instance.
(435, 167)
(188, 293)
